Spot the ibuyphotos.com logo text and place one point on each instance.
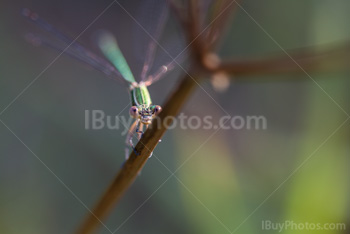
(98, 119)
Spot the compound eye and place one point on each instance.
(157, 110)
(134, 112)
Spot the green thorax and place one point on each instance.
(140, 96)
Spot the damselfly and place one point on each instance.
(115, 66)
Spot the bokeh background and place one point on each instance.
(232, 180)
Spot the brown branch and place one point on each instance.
(193, 30)
(310, 59)
(134, 164)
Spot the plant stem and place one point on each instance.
(128, 173)
(318, 59)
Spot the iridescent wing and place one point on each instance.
(69, 46)
(109, 47)
(150, 17)
(39, 40)
(172, 55)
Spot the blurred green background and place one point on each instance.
(231, 183)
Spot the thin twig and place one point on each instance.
(193, 30)
(311, 58)
(134, 164)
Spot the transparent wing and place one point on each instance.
(39, 40)
(171, 54)
(160, 73)
(109, 47)
(164, 69)
(68, 46)
(151, 17)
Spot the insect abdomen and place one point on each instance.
(140, 96)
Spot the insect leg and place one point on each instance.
(139, 130)
(128, 140)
